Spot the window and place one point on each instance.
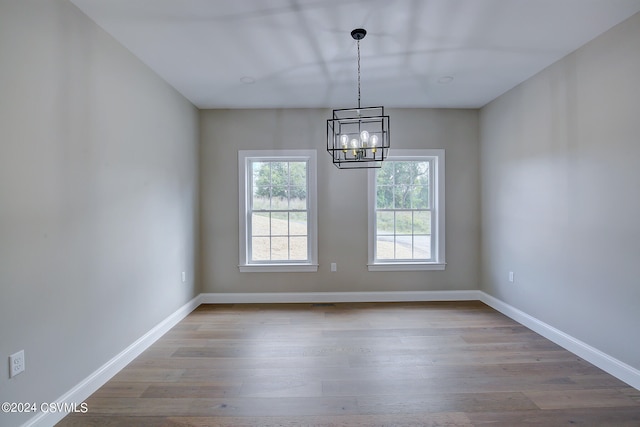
(277, 205)
(406, 212)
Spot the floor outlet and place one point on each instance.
(16, 364)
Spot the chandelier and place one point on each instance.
(358, 137)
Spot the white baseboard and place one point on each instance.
(97, 379)
(323, 297)
(609, 364)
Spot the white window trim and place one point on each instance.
(439, 207)
(244, 176)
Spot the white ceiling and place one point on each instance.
(299, 53)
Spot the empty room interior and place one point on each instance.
(192, 233)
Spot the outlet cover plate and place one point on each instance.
(16, 364)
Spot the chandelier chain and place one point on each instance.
(358, 73)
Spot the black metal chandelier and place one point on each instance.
(358, 137)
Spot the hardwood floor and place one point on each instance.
(383, 364)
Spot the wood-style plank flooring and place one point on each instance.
(382, 364)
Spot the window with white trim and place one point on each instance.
(277, 206)
(406, 212)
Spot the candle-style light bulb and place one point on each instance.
(344, 140)
(364, 137)
(354, 145)
(374, 143)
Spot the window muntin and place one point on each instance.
(406, 211)
(403, 211)
(279, 210)
(278, 225)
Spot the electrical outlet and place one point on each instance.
(16, 364)
(511, 276)
(334, 266)
(184, 277)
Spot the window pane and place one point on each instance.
(260, 249)
(421, 173)
(422, 247)
(279, 174)
(298, 197)
(298, 174)
(384, 247)
(384, 175)
(402, 197)
(261, 174)
(422, 222)
(279, 248)
(403, 173)
(384, 197)
(420, 197)
(403, 223)
(279, 198)
(298, 223)
(260, 224)
(261, 197)
(384, 223)
(298, 247)
(403, 247)
(279, 223)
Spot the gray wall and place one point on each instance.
(561, 194)
(98, 198)
(342, 200)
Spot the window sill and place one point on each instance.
(406, 266)
(279, 268)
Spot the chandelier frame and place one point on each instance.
(358, 138)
